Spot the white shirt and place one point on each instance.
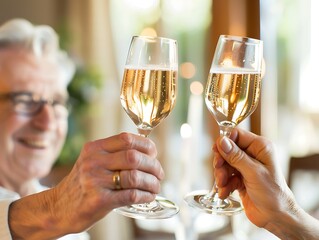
(7, 197)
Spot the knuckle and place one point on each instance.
(157, 187)
(156, 164)
(132, 196)
(127, 139)
(236, 157)
(97, 201)
(132, 158)
(133, 179)
(152, 147)
(87, 147)
(267, 149)
(152, 184)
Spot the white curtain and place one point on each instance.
(92, 37)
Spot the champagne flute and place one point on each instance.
(148, 95)
(231, 95)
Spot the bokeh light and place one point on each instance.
(187, 70)
(149, 32)
(186, 131)
(196, 88)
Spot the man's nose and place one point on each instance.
(45, 117)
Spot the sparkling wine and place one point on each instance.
(148, 96)
(232, 96)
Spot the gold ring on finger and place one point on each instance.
(117, 180)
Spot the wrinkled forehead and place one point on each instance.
(20, 70)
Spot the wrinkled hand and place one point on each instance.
(88, 193)
(247, 163)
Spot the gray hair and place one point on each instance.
(41, 40)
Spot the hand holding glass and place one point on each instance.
(148, 95)
(231, 95)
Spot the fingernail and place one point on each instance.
(226, 145)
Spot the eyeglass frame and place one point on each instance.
(37, 101)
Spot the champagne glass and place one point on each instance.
(148, 95)
(231, 95)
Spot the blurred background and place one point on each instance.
(97, 33)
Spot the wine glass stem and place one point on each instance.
(211, 199)
(150, 206)
(225, 130)
(144, 132)
(212, 196)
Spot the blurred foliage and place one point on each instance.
(82, 90)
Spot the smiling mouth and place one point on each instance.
(34, 144)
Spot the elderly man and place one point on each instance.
(108, 173)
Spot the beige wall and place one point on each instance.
(36, 11)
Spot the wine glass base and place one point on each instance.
(161, 208)
(197, 200)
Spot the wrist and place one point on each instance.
(294, 224)
(33, 217)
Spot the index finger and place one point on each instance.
(253, 145)
(242, 138)
(125, 141)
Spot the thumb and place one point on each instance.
(233, 155)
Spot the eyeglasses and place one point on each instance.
(27, 103)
